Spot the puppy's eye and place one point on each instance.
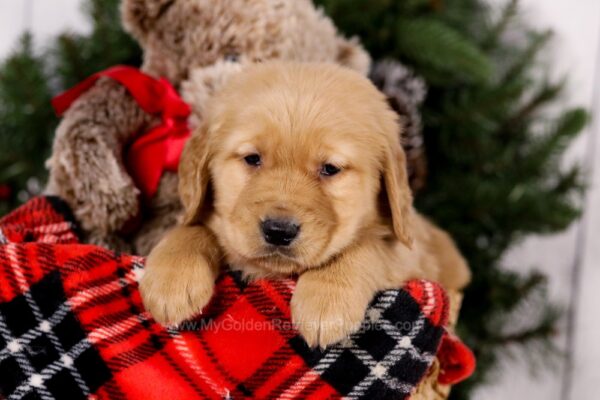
(253, 160)
(232, 56)
(329, 170)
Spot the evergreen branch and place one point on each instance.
(545, 150)
(543, 330)
(526, 58)
(546, 93)
(570, 181)
(508, 15)
(428, 42)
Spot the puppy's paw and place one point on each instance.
(326, 315)
(174, 293)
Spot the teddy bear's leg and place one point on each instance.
(113, 242)
(162, 215)
(86, 168)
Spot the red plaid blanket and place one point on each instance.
(72, 326)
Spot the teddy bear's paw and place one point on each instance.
(175, 293)
(325, 316)
(108, 241)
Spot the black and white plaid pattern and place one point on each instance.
(374, 361)
(40, 338)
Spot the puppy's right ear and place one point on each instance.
(194, 178)
(139, 16)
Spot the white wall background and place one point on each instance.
(569, 258)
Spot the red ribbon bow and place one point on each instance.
(457, 361)
(158, 150)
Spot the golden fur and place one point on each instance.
(359, 232)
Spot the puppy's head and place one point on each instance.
(292, 165)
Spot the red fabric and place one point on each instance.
(457, 361)
(72, 320)
(429, 298)
(158, 150)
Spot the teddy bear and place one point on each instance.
(196, 45)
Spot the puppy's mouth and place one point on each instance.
(278, 261)
(277, 253)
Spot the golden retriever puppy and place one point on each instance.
(298, 171)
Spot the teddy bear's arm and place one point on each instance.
(86, 168)
(406, 92)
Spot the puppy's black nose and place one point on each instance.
(279, 232)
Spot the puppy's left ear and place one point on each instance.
(194, 178)
(397, 192)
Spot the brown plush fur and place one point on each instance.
(198, 45)
(182, 35)
(359, 233)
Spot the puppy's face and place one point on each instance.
(291, 165)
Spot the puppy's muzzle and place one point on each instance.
(279, 232)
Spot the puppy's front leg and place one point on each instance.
(329, 303)
(180, 274)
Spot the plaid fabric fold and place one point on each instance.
(72, 326)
